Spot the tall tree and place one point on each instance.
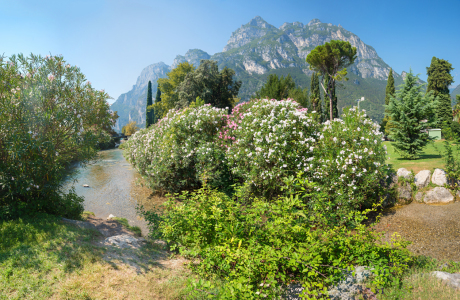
(149, 108)
(389, 92)
(276, 87)
(411, 111)
(213, 87)
(331, 59)
(335, 111)
(439, 80)
(156, 117)
(169, 86)
(315, 95)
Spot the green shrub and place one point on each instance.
(50, 116)
(256, 249)
(180, 151)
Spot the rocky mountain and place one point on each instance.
(455, 91)
(258, 49)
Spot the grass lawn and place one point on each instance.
(430, 159)
(43, 258)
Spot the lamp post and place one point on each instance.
(360, 100)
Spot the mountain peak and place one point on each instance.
(255, 29)
(259, 22)
(314, 22)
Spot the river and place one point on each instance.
(113, 188)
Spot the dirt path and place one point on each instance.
(433, 230)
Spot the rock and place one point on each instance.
(403, 172)
(346, 289)
(419, 197)
(110, 217)
(81, 224)
(124, 241)
(404, 194)
(350, 286)
(439, 177)
(85, 185)
(422, 179)
(452, 280)
(438, 195)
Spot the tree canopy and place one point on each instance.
(331, 59)
(439, 80)
(213, 87)
(168, 87)
(389, 92)
(411, 111)
(149, 109)
(282, 88)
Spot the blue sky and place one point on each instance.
(113, 40)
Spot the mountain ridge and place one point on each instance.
(258, 49)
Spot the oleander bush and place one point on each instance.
(50, 116)
(180, 151)
(259, 144)
(257, 249)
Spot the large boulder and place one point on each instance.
(439, 177)
(419, 197)
(403, 172)
(438, 195)
(422, 179)
(452, 280)
(404, 194)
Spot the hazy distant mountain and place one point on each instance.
(258, 49)
(455, 91)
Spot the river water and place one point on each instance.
(113, 188)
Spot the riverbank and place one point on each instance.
(45, 258)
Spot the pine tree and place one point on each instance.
(156, 115)
(315, 96)
(439, 79)
(148, 110)
(411, 112)
(389, 92)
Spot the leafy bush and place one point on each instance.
(349, 165)
(259, 144)
(258, 248)
(50, 116)
(268, 140)
(180, 151)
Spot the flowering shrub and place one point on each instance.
(351, 164)
(49, 116)
(180, 151)
(268, 140)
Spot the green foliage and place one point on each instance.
(125, 223)
(257, 249)
(331, 59)
(214, 87)
(439, 80)
(389, 92)
(282, 88)
(149, 112)
(155, 115)
(411, 112)
(452, 166)
(168, 87)
(50, 116)
(315, 95)
(129, 129)
(181, 151)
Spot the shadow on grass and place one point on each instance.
(34, 242)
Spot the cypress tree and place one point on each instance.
(439, 79)
(389, 92)
(315, 95)
(157, 102)
(148, 110)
